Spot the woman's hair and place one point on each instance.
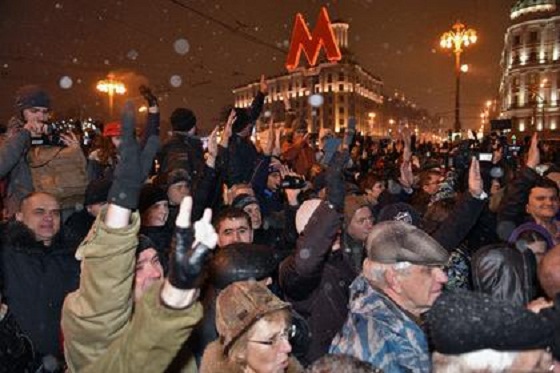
(106, 151)
(369, 180)
(437, 212)
(237, 351)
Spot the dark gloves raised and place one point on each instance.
(190, 247)
(134, 163)
(148, 96)
(336, 190)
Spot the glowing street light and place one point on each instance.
(111, 87)
(456, 39)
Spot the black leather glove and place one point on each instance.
(148, 96)
(190, 248)
(134, 163)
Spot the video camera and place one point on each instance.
(53, 134)
(293, 182)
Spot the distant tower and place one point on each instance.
(530, 64)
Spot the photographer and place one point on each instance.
(55, 169)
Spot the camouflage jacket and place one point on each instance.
(381, 333)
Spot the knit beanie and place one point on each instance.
(244, 200)
(149, 196)
(144, 243)
(32, 96)
(97, 191)
(305, 212)
(182, 120)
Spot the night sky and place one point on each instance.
(231, 43)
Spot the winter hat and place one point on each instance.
(112, 129)
(243, 262)
(396, 241)
(320, 181)
(150, 195)
(244, 200)
(305, 212)
(531, 227)
(171, 177)
(240, 305)
(144, 242)
(462, 321)
(352, 204)
(97, 191)
(242, 120)
(400, 212)
(32, 96)
(182, 119)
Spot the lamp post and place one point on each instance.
(111, 87)
(457, 39)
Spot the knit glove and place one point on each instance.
(335, 181)
(189, 248)
(134, 163)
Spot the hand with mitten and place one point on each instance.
(336, 190)
(134, 163)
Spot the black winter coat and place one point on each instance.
(36, 279)
(315, 280)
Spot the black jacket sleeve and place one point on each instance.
(301, 272)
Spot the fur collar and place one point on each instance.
(17, 236)
(214, 361)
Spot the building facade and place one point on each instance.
(530, 82)
(347, 89)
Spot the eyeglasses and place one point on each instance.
(286, 334)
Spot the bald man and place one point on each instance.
(37, 271)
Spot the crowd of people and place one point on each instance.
(345, 253)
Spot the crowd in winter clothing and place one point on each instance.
(149, 253)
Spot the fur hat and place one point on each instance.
(171, 177)
(243, 262)
(32, 96)
(97, 191)
(463, 321)
(240, 305)
(396, 241)
(352, 204)
(182, 120)
(150, 195)
(305, 212)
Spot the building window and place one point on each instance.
(516, 40)
(341, 110)
(329, 78)
(533, 37)
(341, 98)
(341, 77)
(341, 87)
(341, 121)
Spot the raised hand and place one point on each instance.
(263, 85)
(190, 248)
(148, 96)
(134, 163)
(226, 134)
(534, 156)
(476, 185)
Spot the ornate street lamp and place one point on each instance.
(456, 40)
(111, 87)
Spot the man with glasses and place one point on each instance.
(401, 278)
(58, 170)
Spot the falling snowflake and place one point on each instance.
(181, 46)
(74, 60)
(132, 54)
(316, 100)
(267, 114)
(106, 62)
(5, 66)
(58, 6)
(65, 82)
(175, 81)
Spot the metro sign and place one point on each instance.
(302, 39)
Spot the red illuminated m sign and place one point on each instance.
(311, 44)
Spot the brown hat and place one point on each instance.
(395, 241)
(352, 204)
(240, 305)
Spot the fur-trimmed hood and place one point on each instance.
(18, 237)
(215, 361)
